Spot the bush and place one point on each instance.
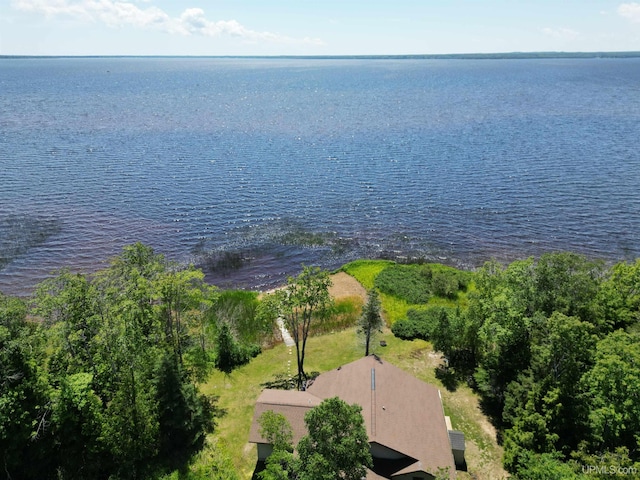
(408, 330)
(419, 324)
(418, 283)
(230, 353)
(406, 282)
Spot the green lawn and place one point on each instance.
(239, 391)
(366, 271)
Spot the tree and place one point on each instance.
(276, 430)
(500, 312)
(303, 300)
(545, 404)
(619, 295)
(336, 446)
(185, 416)
(229, 353)
(535, 466)
(118, 401)
(77, 427)
(370, 321)
(25, 414)
(68, 304)
(567, 283)
(613, 391)
(184, 291)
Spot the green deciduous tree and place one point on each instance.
(544, 406)
(119, 400)
(370, 321)
(77, 423)
(184, 301)
(509, 303)
(545, 466)
(305, 299)
(336, 446)
(567, 283)
(613, 390)
(25, 405)
(619, 296)
(276, 430)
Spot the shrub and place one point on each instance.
(406, 282)
(419, 324)
(408, 330)
(418, 283)
(230, 353)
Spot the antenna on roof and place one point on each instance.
(373, 402)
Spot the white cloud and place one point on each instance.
(561, 33)
(116, 14)
(630, 11)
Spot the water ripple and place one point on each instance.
(279, 162)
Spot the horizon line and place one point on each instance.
(419, 56)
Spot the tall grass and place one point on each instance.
(366, 271)
(344, 313)
(239, 308)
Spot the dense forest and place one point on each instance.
(553, 348)
(100, 373)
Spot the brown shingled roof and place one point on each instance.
(401, 413)
(291, 403)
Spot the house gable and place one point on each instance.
(385, 453)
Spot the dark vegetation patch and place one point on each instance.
(224, 262)
(420, 324)
(19, 233)
(418, 283)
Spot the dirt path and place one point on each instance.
(344, 285)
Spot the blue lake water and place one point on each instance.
(250, 167)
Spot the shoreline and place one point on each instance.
(268, 277)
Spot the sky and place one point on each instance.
(315, 27)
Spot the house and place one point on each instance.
(404, 418)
